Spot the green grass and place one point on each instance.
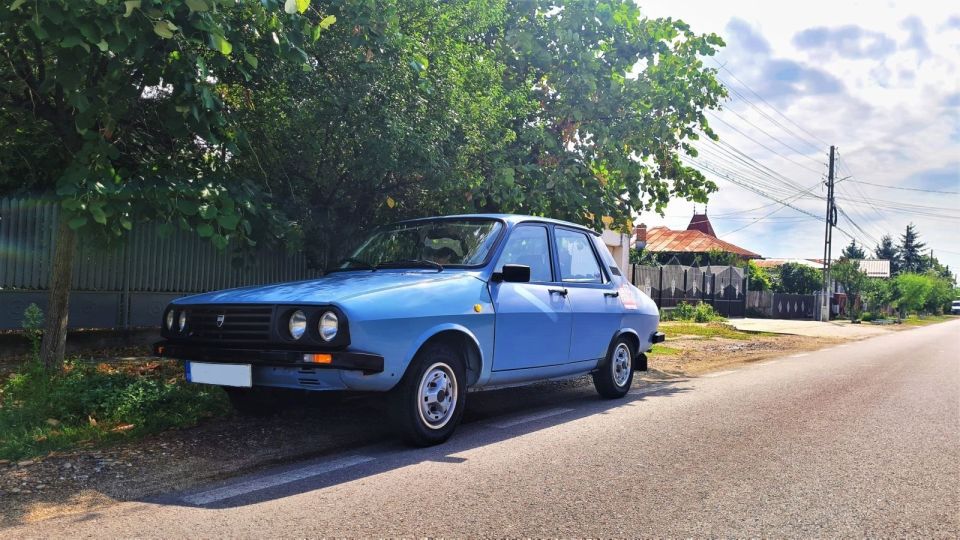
(913, 320)
(89, 405)
(663, 350)
(705, 330)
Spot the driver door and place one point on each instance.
(533, 320)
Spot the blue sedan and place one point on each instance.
(424, 310)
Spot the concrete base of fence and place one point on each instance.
(83, 341)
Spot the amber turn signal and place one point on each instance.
(318, 358)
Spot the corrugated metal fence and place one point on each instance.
(128, 284)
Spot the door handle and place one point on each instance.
(561, 292)
(613, 294)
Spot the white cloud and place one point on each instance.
(882, 86)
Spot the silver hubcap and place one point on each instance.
(437, 396)
(621, 364)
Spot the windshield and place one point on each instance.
(447, 242)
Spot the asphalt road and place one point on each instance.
(856, 440)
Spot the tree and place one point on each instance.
(759, 277)
(576, 110)
(911, 292)
(853, 251)
(853, 280)
(796, 278)
(121, 116)
(911, 251)
(887, 251)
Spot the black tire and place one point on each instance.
(614, 377)
(433, 365)
(254, 402)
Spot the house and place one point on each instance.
(776, 263)
(875, 268)
(697, 241)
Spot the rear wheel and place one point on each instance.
(255, 402)
(615, 375)
(428, 403)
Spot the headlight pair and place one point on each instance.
(328, 326)
(181, 320)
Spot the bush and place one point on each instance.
(42, 410)
(868, 316)
(686, 312)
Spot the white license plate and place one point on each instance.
(221, 374)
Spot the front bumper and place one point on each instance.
(368, 363)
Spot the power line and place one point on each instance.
(731, 126)
(765, 132)
(904, 188)
(773, 120)
(752, 91)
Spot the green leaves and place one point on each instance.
(129, 6)
(296, 6)
(16, 4)
(164, 29)
(198, 5)
(221, 44)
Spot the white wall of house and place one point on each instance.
(619, 245)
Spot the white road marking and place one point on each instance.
(227, 492)
(719, 373)
(801, 355)
(767, 363)
(517, 420)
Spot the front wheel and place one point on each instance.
(428, 402)
(615, 375)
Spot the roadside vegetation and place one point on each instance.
(88, 403)
(700, 312)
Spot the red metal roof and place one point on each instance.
(664, 240)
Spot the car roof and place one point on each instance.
(511, 219)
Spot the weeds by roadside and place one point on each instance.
(88, 404)
(700, 312)
(708, 330)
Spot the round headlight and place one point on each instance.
(297, 324)
(183, 320)
(329, 325)
(169, 320)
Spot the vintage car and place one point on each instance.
(425, 310)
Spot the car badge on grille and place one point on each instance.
(220, 319)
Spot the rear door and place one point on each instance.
(594, 299)
(533, 319)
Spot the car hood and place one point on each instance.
(330, 289)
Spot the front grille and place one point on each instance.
(241, 324)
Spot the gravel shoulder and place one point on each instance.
(79, 481)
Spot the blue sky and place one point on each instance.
(880, 80)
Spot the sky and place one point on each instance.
(879, 80)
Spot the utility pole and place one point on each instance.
(827, 241)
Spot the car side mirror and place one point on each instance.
(513, 273)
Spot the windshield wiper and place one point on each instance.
(423, 263)
(361, 265)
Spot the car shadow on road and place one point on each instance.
(231, 450)
(491, 417)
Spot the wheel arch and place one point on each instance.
(461, 339)
(631, 336)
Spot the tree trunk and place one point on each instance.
(58, 303)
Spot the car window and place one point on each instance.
(578, 263)
(461, 242)
(528, 245)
